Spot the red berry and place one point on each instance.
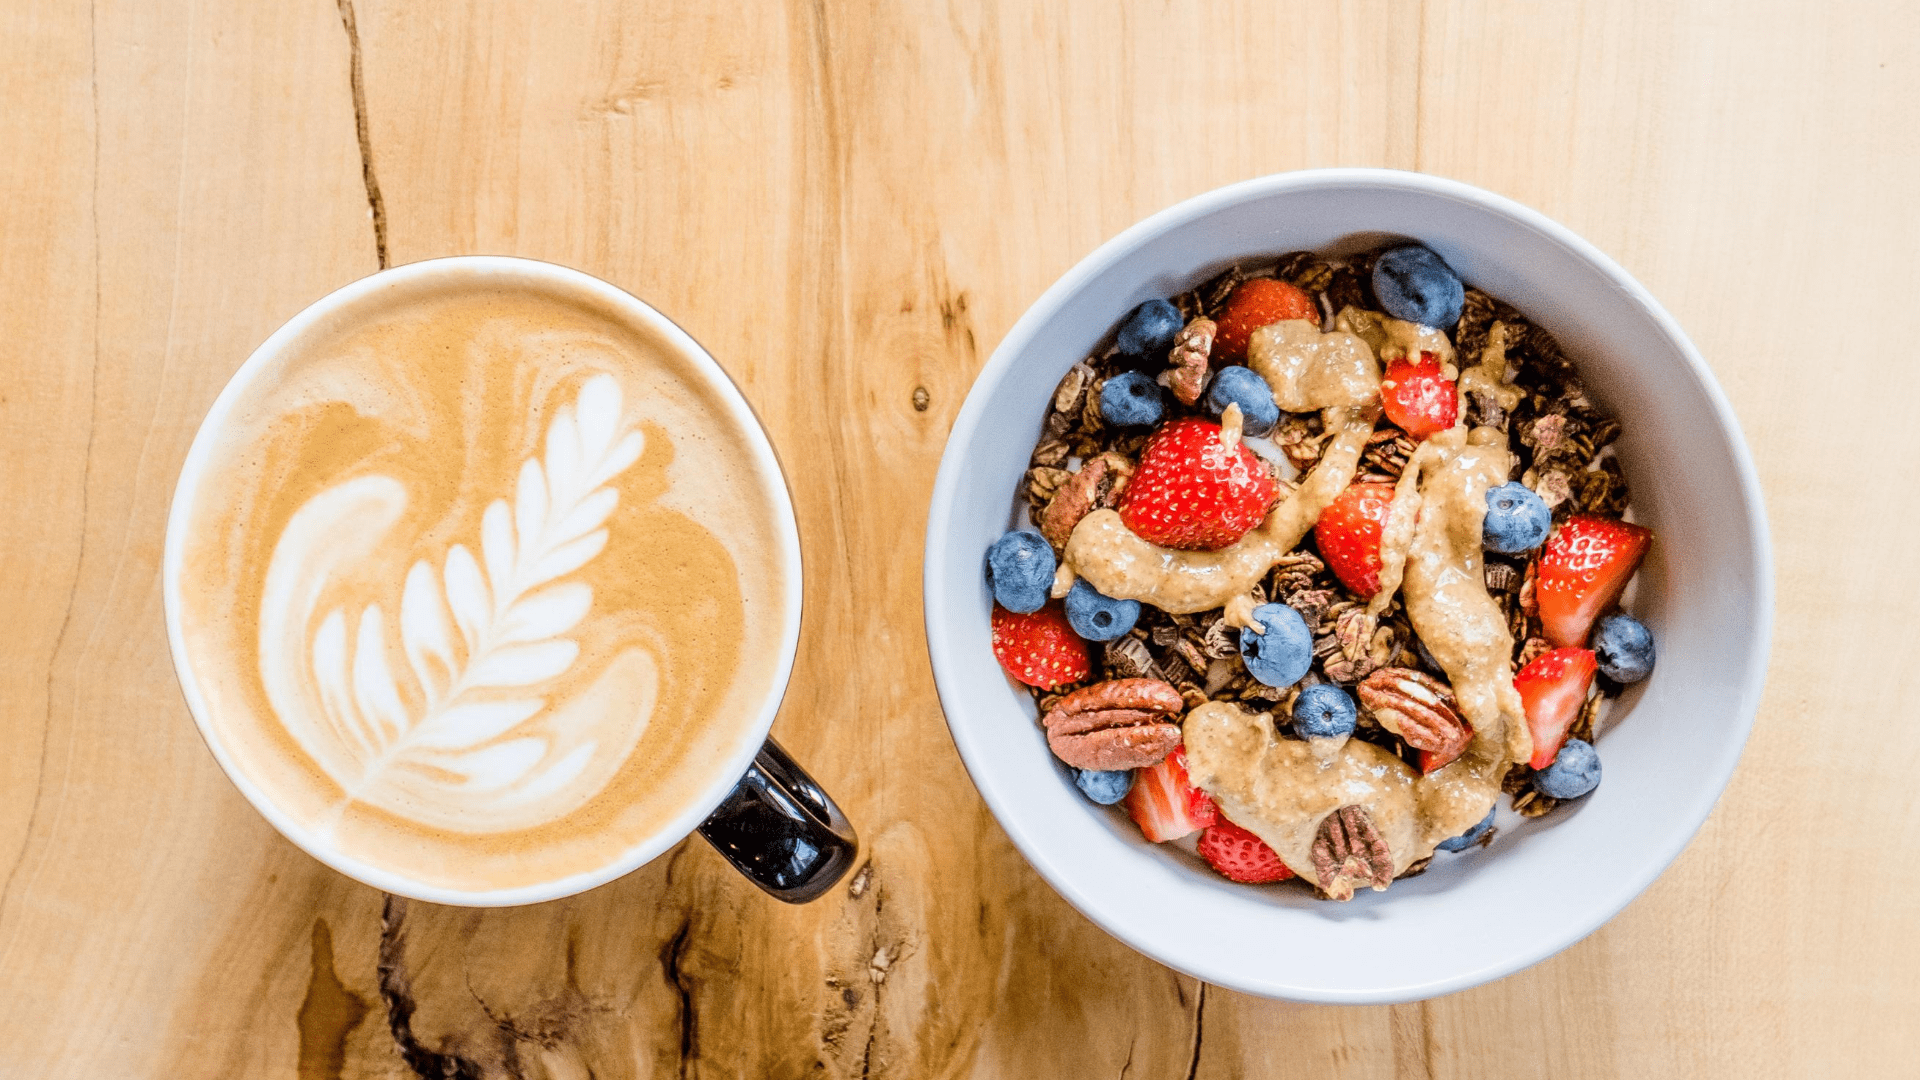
(1164, 802)
(1241, 856)
(1252, 305)
(1039, 649)
(1348, 534)
(1585, 567)
(1419, 397)
(1191, 492)
(1553, 688)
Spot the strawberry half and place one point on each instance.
(1192, 492)
(1349, 535)
(1419, 397)
(1553, 688)
(1252, 305)
(1241, 856)
(1165, 804)
(1039, 649)
(1586, 565)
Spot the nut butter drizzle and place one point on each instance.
(1283, 789)
(1122, 565)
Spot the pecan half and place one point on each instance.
(1346, 650)
(1071, 501)
(1417, 707)
(1348, 852)
(1187, 360)
(1077, 494)
(1119, 724)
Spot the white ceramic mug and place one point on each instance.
(1706, 591)
(761, 811)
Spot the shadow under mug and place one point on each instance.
(774, 824)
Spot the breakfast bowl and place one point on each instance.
(1671, 743)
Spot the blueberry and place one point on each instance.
(1150, 330)
(1414, 284)
(1625, 648)
(1244, 387)
(1098, 617)
(1020, 570)
(1132, 399)
(1283, 654)
(1574, 772)
(1102, 786)
(1469, 838)
(1324, 711)
(1517, 520)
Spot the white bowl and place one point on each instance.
(1706, 591)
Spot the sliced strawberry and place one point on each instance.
(1039, 649)
(1192, 492)
(1241, 856)
(1252, 305)
(1553, 688)
(1349, 535)
(1165, 804)
(1586, 565)
(1419, 397)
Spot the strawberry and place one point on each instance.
(1241, 856)
(1419, 397)
(1192, 492)
(1252, 305)
(1039, 649)
(1583, 570)
(1165, 804)
(1553, 688)
(1349, 535)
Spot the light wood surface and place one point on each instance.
(847, 203)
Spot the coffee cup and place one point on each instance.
(483, 586)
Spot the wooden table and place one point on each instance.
(850, 203)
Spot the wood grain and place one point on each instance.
(849, 203)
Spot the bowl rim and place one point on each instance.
(938, 563)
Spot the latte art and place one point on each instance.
(470, 743)
(483, 587)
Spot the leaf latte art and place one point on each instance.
(460, 713)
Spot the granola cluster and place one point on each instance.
(1560, 441)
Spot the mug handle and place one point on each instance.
(779, 828)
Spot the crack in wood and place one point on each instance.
(356, 79)
(86, 476)
(1199, 1030)
(671, 957)
(396, 991)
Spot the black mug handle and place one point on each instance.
(781, 830)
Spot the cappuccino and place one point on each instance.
(481, 585)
